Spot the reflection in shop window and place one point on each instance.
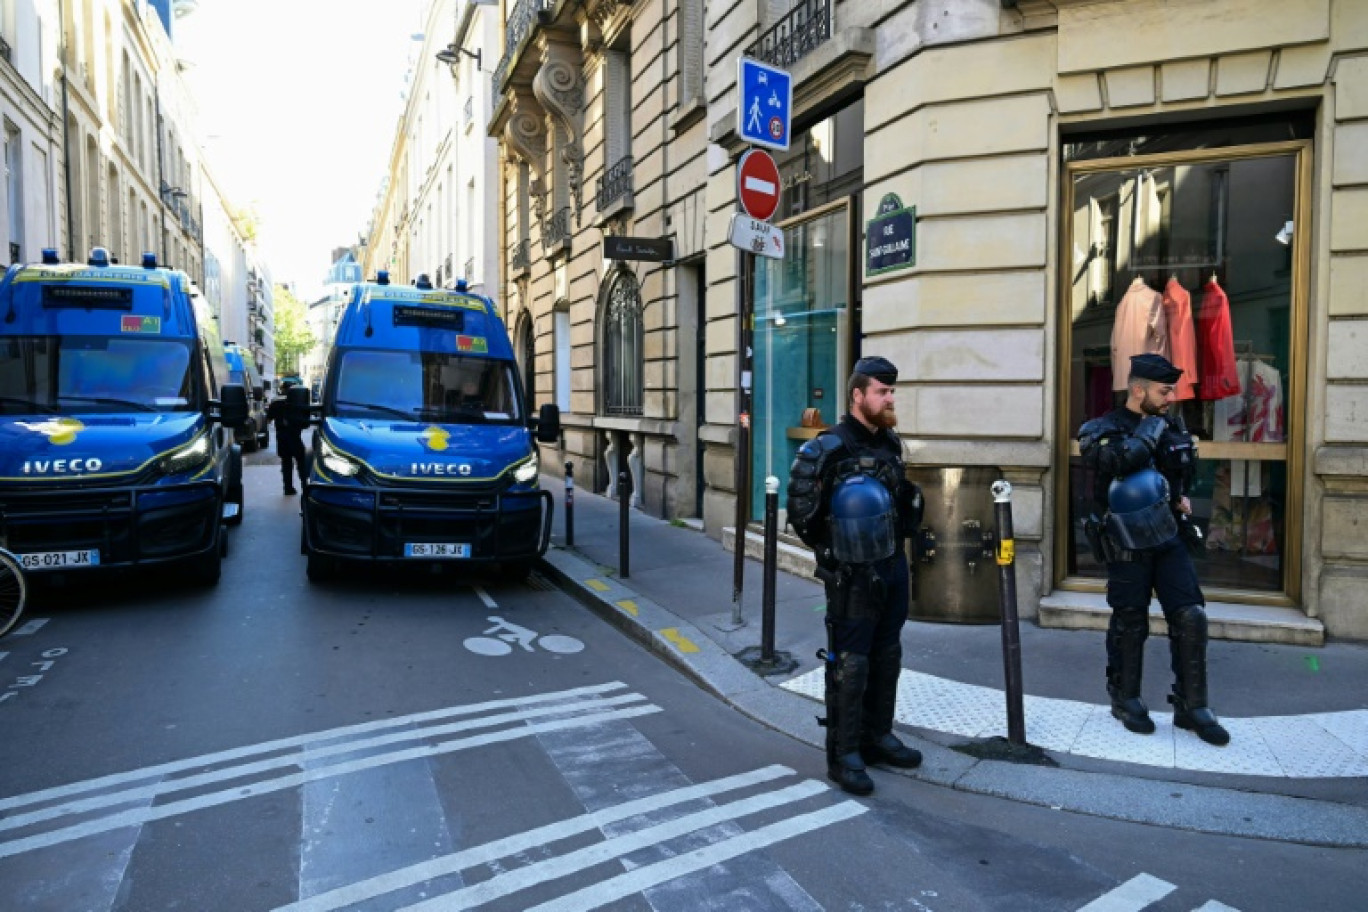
(1183, 259)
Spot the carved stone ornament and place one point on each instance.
(559, 86)
(603, 12)
(526, 134)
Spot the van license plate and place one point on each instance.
(430, 550)
(56, 560)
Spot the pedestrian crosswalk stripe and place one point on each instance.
(176, 766)
(531, 839)
(1132, 896)
(643, 878)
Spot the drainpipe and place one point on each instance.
(66, 137)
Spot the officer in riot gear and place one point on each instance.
(1143, 459)
(850, 501)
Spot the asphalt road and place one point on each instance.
(405, 739)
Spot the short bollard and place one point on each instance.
(624, 514)
(1007, 596)
(569, 504)
(771, 565)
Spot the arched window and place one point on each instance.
(527, 361)
(623, 375)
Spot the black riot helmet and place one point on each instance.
(863, 520)
(1139, 511)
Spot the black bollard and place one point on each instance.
(569, 504)
(771, 566)
(1007, 598)
(624, 508)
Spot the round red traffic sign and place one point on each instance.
(757, 183)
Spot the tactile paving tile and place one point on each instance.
(1350, 727)
(1053, 724)
(809, 684)
(926, 701)
(1247, 754)
(1305, 749)
(1103, 738)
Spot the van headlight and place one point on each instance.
(335, 461)
(183, 459)
(527, 471)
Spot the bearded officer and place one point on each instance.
(850, 501)
(1143, 459)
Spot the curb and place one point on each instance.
(1200, 808)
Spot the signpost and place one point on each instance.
(651, 250)
(764, 114)
(757, 184)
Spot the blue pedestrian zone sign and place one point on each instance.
(766, 106)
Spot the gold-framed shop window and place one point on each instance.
(1200, 254)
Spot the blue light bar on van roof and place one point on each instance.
(149, 260)
(382, 277)
(99, 256)
(422, 281)
(50, 257)
(462, 284)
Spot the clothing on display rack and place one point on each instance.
(1138, 328)
(1182, 337)
(1216, 342)
(1257, 416)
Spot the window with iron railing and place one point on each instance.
(623, 362)
(522, 256)
(799, 32)
(556, 231)
(521, 20)
(615, 184)
(470, 269)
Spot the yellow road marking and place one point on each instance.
(682, 643)
(628, 606)
(596, 585)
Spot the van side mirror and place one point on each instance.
(548, 424)
(232, 405)
(299, 405)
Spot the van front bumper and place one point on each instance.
(129, 527)
(375, 524)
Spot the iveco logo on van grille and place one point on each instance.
(61, 466)
(440, 468)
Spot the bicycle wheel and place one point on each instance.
(13, 592)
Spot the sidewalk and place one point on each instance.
(1296, 768)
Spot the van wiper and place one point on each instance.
(28, 403)
(400, 413)
(105, 400)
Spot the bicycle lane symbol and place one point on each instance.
(500, 639)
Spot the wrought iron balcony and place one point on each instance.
(556, 231)
(802, 30)
(470, 269)
(616, 184)
(522, 256)
(521, 19)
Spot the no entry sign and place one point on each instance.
(757, 183)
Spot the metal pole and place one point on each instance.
(569, 504)
(624, 496)
(743, 403)
(771, 562)
(1011, 631)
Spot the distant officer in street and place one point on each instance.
(289, 438)
(1143, 459)
(850, 501)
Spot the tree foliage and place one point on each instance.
(292, 335)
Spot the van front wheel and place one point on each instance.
(206, 569)
(321, 568)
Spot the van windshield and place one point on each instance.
(425, 386)
(65, 374)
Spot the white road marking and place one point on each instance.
(1132, 896)
(2, 656)
(522, 842)
(485, 597)
(1212, 905)
(30, 628)
(176, 766)
(643, 878)
(223, 774)
(237, 793)
(615, 848)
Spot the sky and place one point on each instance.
(298, 103)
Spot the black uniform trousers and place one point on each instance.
(1166, 571)
(873, 623)
(293, 458)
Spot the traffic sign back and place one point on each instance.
(766, 104)
(757, 184)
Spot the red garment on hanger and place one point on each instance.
(1182, 337)
(1220, 378)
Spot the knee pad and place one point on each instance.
(1130, 621)
(1188, 621)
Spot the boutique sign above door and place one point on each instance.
(891, 237)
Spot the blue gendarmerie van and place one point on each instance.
(424, 450)
(116, 443)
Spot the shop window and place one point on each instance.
(623, 365)
(1183, 253)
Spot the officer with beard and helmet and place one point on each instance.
(1143, 459)
(850, 501)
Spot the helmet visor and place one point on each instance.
(863, 540)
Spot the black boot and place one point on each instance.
(878, 744)
(845, 767)
(1125, 671)
(1187, 646)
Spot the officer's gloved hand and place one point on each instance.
(826, 559)
(1150, 429)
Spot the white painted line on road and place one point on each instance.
(1132, 896)
(485, 597)
(1212, 905)
(615, 848)
(644, 878)
(30, 628)
(522, 842)
(176, 766)
(2, 656)
(241, 771)
(237, 793)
